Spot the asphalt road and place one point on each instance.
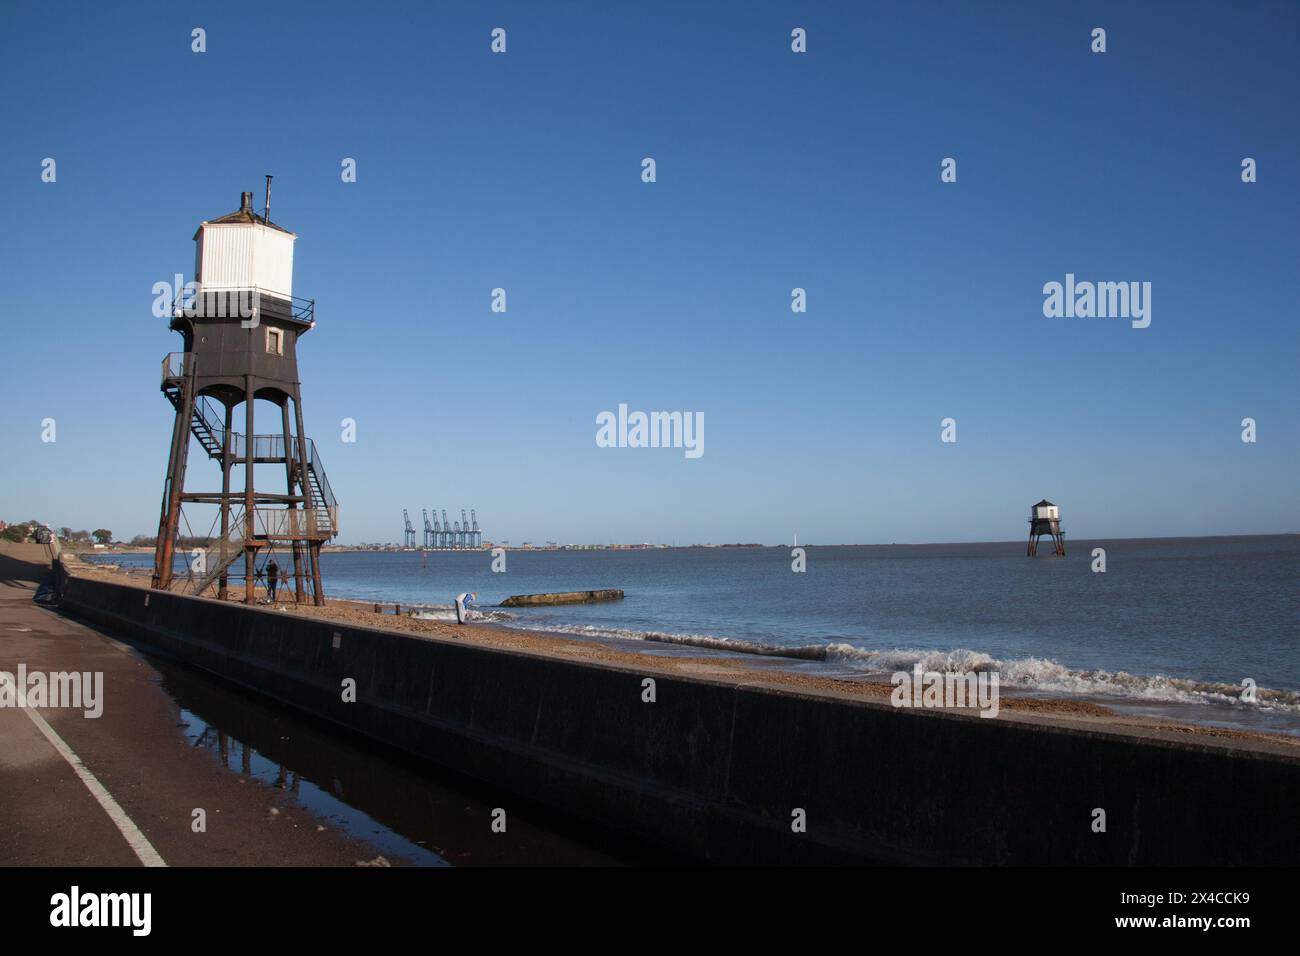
(121, 789)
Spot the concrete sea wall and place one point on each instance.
(717, 771)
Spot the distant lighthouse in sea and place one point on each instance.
(1045, 518)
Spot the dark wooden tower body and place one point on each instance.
(240, 324)
(1045, 518)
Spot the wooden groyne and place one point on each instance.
(564, 597)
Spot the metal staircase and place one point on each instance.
(323, 503)
(220, 555)
(206, 425)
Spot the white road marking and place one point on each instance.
(138, 842)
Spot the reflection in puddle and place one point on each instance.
(409, 815)
(238, 756)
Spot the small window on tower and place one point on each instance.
(275, 341)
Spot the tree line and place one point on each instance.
(20, 531)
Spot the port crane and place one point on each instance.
(441, 533)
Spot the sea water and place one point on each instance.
(1172, 627)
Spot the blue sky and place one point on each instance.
(775, 170)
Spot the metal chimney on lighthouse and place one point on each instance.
(1045, 518)
(240, 324)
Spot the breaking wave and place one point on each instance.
(1041, 674)
(1033, 674)
(445, 612)
(808, 652)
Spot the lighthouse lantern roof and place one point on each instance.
(242, 250)
(244, 214)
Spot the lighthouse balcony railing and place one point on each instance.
(304, 310)
(188, 302)
(175, 366)
(292, 523)
(272, 448)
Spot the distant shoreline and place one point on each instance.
(1018, 542)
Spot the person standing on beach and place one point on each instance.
(465, 604)
(272, 578)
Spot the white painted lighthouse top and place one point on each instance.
(244, 251)
(1044, 509)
